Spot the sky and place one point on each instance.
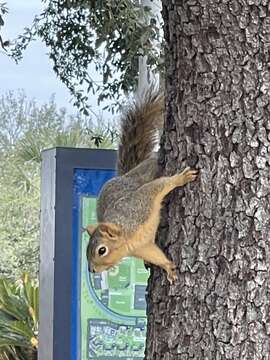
(34, 73)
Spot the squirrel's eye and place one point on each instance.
(102, 250)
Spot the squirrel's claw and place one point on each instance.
(171, 273)
(186, 176)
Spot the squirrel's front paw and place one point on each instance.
(171, 272)
(186, 176)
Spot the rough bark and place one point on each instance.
(216, 230)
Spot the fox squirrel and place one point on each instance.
(128, 206)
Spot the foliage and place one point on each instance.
(18, 319)
(109, 35)
(26, 129)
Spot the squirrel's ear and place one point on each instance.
(111, 230)
(90, 229)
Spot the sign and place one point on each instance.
(84, 316)
(112, 322)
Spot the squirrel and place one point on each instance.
(128, 206)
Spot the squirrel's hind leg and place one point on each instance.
(162, 186)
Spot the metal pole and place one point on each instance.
(146, 77)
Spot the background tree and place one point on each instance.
(109, 35)
(217, 229)
(26, 129)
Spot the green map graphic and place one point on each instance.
(112, 304)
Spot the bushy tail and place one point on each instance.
(138, 133)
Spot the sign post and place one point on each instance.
(83, 316)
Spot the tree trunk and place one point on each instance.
(216, 230)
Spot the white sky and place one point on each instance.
(34, 73)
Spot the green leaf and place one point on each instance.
(18, 335)
(106, 34)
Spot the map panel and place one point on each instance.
(112, 303)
